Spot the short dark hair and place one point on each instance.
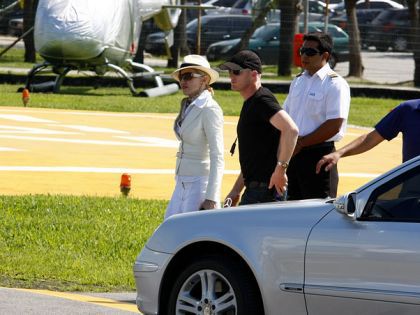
(325, 42)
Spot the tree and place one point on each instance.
(415, 42)
(29, 11)
(180, 46)
(262, 9)
(355, 64)
(289, 13)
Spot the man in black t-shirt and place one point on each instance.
(266, 134)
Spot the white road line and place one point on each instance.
(24, 118)
(5, 149)
(118, 170)
(37, 131)
(81, 141)
(91, 129)
(153, 140)
(154, 116)
(64, 113)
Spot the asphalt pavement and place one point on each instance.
(23, 301)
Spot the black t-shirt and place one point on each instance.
(258, 139)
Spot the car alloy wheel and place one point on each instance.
(214, 285)
(204, 292)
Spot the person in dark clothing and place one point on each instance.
(404, 118)
(266, 134)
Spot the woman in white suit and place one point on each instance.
(199, 127)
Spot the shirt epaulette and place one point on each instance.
(332, 74)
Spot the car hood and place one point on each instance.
(226, 42)
(233, 226)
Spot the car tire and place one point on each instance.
(382, 47)
(332, 61)
(229, 288)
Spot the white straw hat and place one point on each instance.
(196, 62)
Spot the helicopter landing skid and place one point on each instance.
(145, 72)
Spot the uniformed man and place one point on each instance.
(319, 103)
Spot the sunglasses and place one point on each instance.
(189, 76)
(236, 72)
(308, 51)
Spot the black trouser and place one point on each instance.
(257, 192)
(304, 183)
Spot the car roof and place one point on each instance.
(392, 3)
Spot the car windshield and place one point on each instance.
(191, 25)
(266, 32)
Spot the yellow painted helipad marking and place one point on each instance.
(83, 153)
(87, 299)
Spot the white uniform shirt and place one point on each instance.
(312, 100)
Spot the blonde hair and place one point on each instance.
(208, 87)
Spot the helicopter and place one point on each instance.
(98, 36)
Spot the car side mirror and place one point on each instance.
(346, 204)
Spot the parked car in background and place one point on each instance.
(364, 19)
(378, 4)
(7, 17)
(319, 7)
(391, 28)
(16, 26)
(213, 28)
(357, 254)
(372, 4)
(265, 41)
(238, 7)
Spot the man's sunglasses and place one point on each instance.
(308, 51)
(189, 76)
(236, 72)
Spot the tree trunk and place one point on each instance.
(139, 56)
(180, 44)
(415, 39)
(28, 22)
(355, 64)
(288, 21)
(258, 21)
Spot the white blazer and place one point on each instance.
(201, 143)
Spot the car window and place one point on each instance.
(336, 32)
(373, 5)
(242, 24)
(267, 32)
(398, 200)
(240, 4)
(223, 3)
(216, 24)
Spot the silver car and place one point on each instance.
(359, 254)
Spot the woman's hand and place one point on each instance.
(208, 204)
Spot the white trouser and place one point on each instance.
(188, 195)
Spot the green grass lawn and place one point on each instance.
(73, 243)
(90, 243)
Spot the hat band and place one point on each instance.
(189, 65)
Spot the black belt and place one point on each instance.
(328, 144)
(255, 184)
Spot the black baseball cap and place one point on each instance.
(244, 59)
